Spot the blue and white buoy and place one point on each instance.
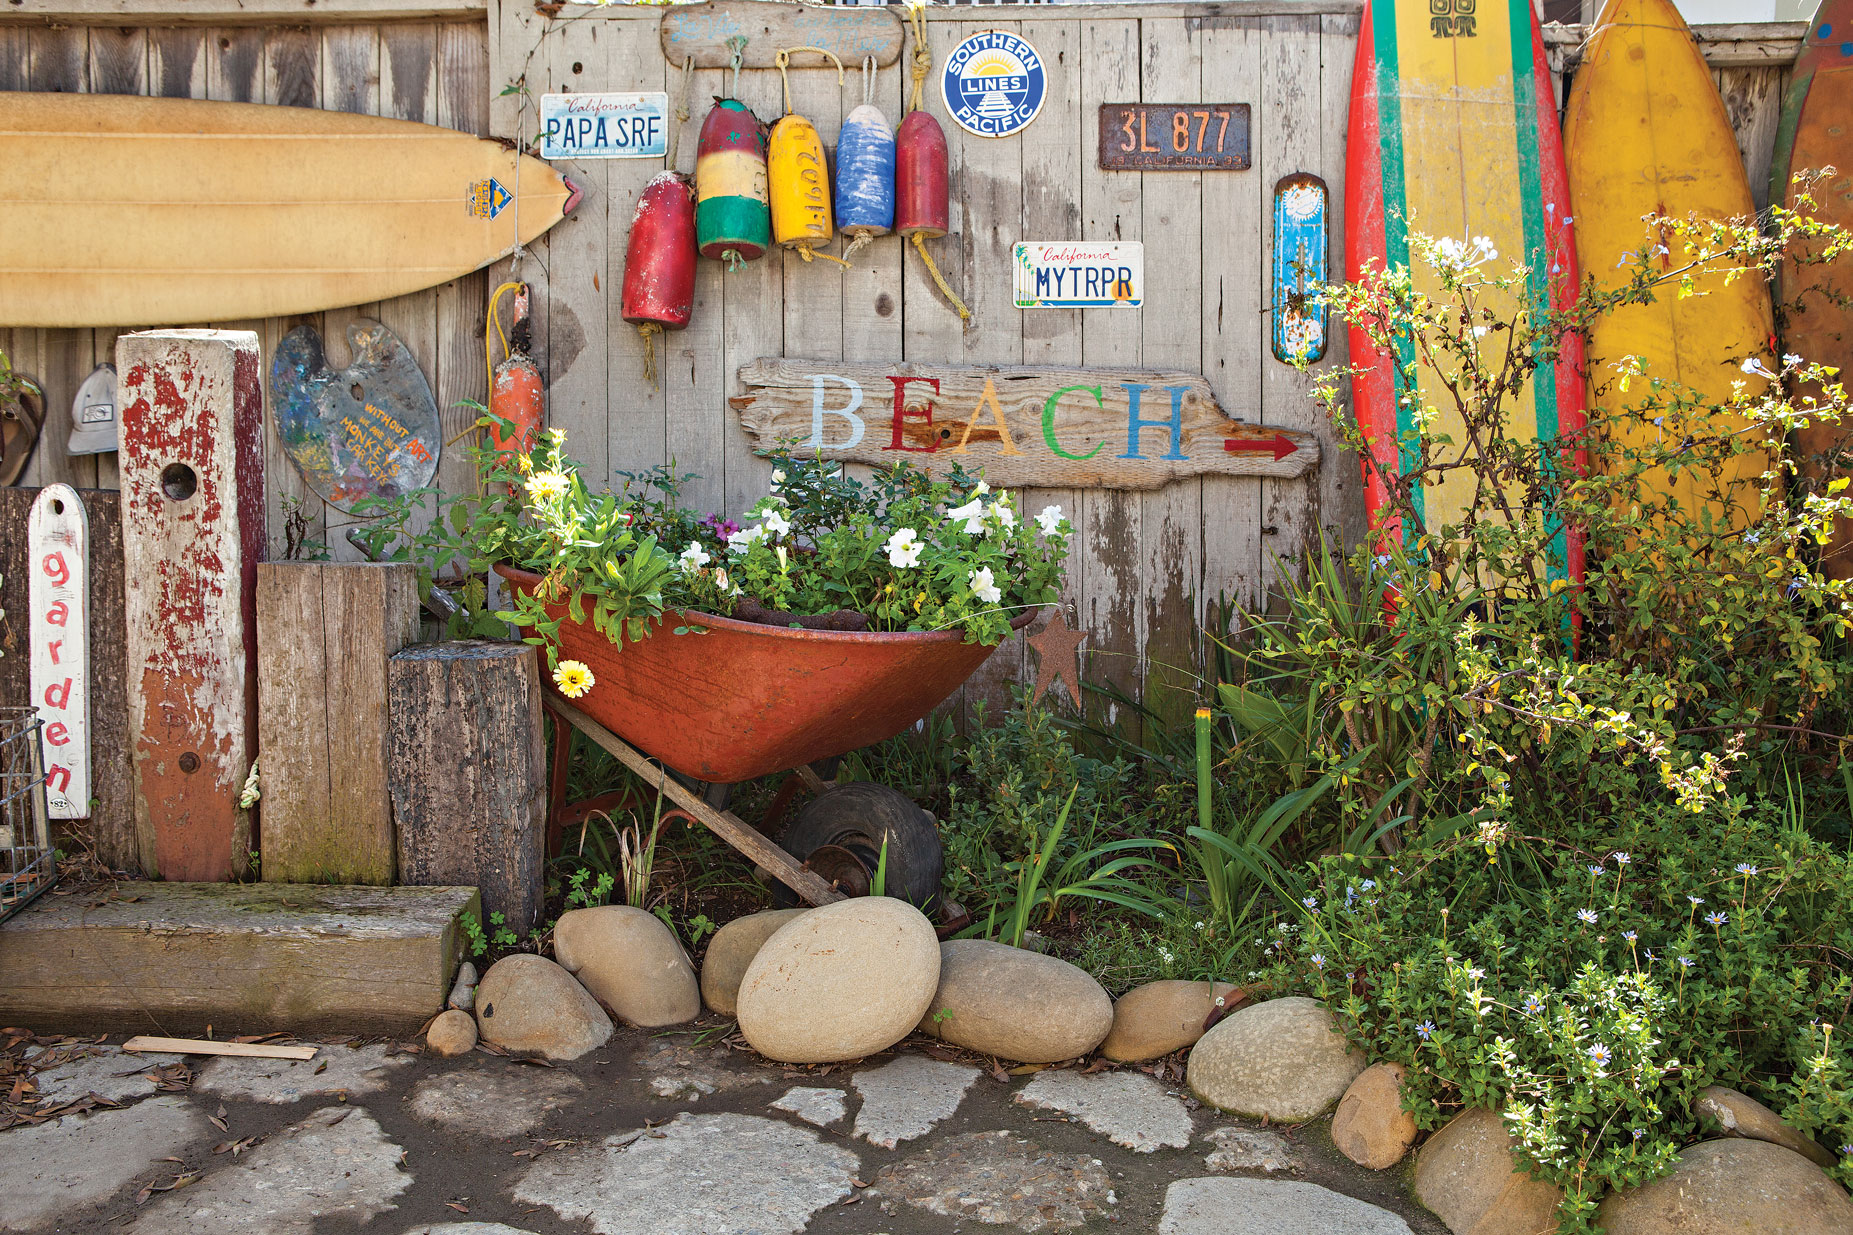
(864, 177)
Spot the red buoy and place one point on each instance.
(922, 205)
(659, 260)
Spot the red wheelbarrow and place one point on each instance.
(743, 701)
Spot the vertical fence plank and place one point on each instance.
(1235, 207)
(1110, 210)
(578, 326)
(1052, 211)
(636, 430)
(695, 381)
(1290, 125)
(1172, 548)
(462, 95)
(1341, 486)
(753, 313)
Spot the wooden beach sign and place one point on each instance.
(1061, 428)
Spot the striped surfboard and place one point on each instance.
(1453, 133)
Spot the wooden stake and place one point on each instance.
(200, 1046)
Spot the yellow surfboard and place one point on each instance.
(123, 211)
(1646, 134)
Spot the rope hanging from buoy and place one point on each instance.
(800, 179)
(922, 162)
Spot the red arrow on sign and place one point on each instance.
(1278, 446)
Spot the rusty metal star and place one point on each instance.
(1058, 652)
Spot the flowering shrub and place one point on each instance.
(1588, 991)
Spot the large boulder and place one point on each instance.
(1739, 1114)
(630, 962)
(1015, 1004)
(1465, 1174)
(1732, 1186)
(1151, 1021)
(731, 950)
(1281, 1060)
(840, 982)
(1370, 1126)
(527, 1003)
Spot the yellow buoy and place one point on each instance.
(800, 186)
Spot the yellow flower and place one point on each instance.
(544, 485)
(573, 678)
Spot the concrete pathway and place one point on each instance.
(655, 1135)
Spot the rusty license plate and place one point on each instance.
(1174, 137)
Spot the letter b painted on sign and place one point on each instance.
(847, 412)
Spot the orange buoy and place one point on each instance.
(517, 393)
(659, 262)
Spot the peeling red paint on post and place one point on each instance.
(192, 465)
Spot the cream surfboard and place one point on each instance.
(123, 211)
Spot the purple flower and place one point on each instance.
(1744, 868)
(1586, 916)
(1318, 961)
(1600, 1054)
(1425, 1029)
(1717, 919)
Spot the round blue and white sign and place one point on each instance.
(994, 83)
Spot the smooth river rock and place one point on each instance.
(1151, 1021)
(1739, 1114)
(1370, 1126)
(1017, 1005)
(1282, 1060)
(1732, 1186)
(1465, 1174)
(731, 950)
(452, 1032)
(631, 963)
(527, 1003)
(842, 981)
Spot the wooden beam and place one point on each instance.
(1763, 44)
(724, 824)
(1024, 13)
(235, 12)
(242, 958)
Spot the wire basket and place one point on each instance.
(28, 862)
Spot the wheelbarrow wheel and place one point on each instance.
(841, 833)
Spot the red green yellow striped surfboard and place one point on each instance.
(1453, 133)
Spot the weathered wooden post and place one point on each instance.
(192, 467)
(469, 784)
(325, 634)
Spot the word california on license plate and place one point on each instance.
(1077, 274)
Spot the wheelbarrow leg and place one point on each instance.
(556, 784)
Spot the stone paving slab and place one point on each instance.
(1002, 1179)
(822, 1107)
(719, 1174)
(1249, 1149)
(904, 1099)
(492, 1100)
(1276, 1206)
(73, 1163)
(107, 1071)
(354, 1071)
(336, 1164)
(1130, 1109)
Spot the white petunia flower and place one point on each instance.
(778, 478)
(1756, 368)
(694, 557)
(1002, 516)
(982, 489)
(1050, 520)
(984, 587)
(904, 549)
(973, 514)
(745, 539)
(776, 523)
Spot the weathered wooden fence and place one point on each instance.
(1146, 564)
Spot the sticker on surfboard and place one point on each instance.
(487, 198)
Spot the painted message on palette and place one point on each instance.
(1061, 428)
(369, 430)
(58, 550)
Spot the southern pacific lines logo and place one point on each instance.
(994, 83)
